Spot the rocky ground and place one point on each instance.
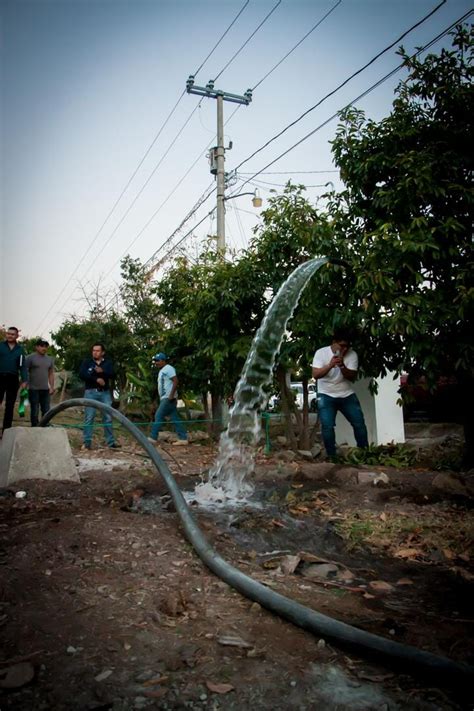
(105, 605)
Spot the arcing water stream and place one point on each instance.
(228, 479)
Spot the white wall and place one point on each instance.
(383, 416)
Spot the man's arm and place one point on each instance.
(107, 369)
(324, 370)
(174, 387)
(348, 374)
(51, 378)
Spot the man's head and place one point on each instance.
(41, 346)
(98, 351)
(341, 340)
(12, 334)
(159, 360)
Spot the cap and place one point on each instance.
(41, 342)
(160, 356)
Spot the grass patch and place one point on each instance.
(436, 528)
(388, 455)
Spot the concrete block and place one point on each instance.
(36, 453)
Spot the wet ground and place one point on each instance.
(105, 605)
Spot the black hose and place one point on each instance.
(440, 670)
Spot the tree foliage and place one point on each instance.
(407, 211)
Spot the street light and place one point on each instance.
(256, 199)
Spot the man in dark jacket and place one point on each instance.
(97, 373)
(12, 364)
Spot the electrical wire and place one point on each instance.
(112, 210)
(291, 172)
(221, 38)
(319, 22)
(361, 96)
(342, 84)
(142, 160)
(258, 183)
(248, 40)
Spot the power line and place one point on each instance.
(258, 84)
(99, 231)
(222, 37)
(204, 197)
(291, 172)
(319, 22)
(259, 183)
(247, 40)
(142, 160)
(190, 214)
(361, 96)
(331, 93)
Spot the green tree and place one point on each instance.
(407, 213)
(213, 308)
(293, 231)
(74, 340)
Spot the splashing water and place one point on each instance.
(228, 477)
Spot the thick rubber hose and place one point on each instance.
(440, 670)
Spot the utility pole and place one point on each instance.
(217, 155)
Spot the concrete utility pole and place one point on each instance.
(217, 155)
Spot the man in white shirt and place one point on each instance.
(335, 368)
(168, 393)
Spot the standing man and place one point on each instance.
(335, 368)
(168, 393)
(40, 369)
(12, 364)
(97, 373)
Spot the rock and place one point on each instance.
(282, 440)
(449, 483)
(381, 586)
(320, 570)
(346, 475)
(145, 675)
(17, 675)
(315, 471)
(375, 478)
(103, 675)
(198, 436)
(305, 454)
(316, 450)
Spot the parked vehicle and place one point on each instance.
(274, 402)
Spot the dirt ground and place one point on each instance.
(105, 605)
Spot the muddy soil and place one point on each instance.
(105, 605)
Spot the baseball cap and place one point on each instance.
(160, 356)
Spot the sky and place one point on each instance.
(103, 153)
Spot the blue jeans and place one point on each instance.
(167, 408)
(328, 407)
(38, 399)
(89, 416)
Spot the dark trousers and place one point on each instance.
(328, 407)
(9, 384)
(38, 399)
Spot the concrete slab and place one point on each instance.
(36, 453)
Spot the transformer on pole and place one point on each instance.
(217, 153)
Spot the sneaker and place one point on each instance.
(86, 445)
(115, 446)
(179, 442)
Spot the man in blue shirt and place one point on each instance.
(168, 393)
(97, 373)
(12, 364)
